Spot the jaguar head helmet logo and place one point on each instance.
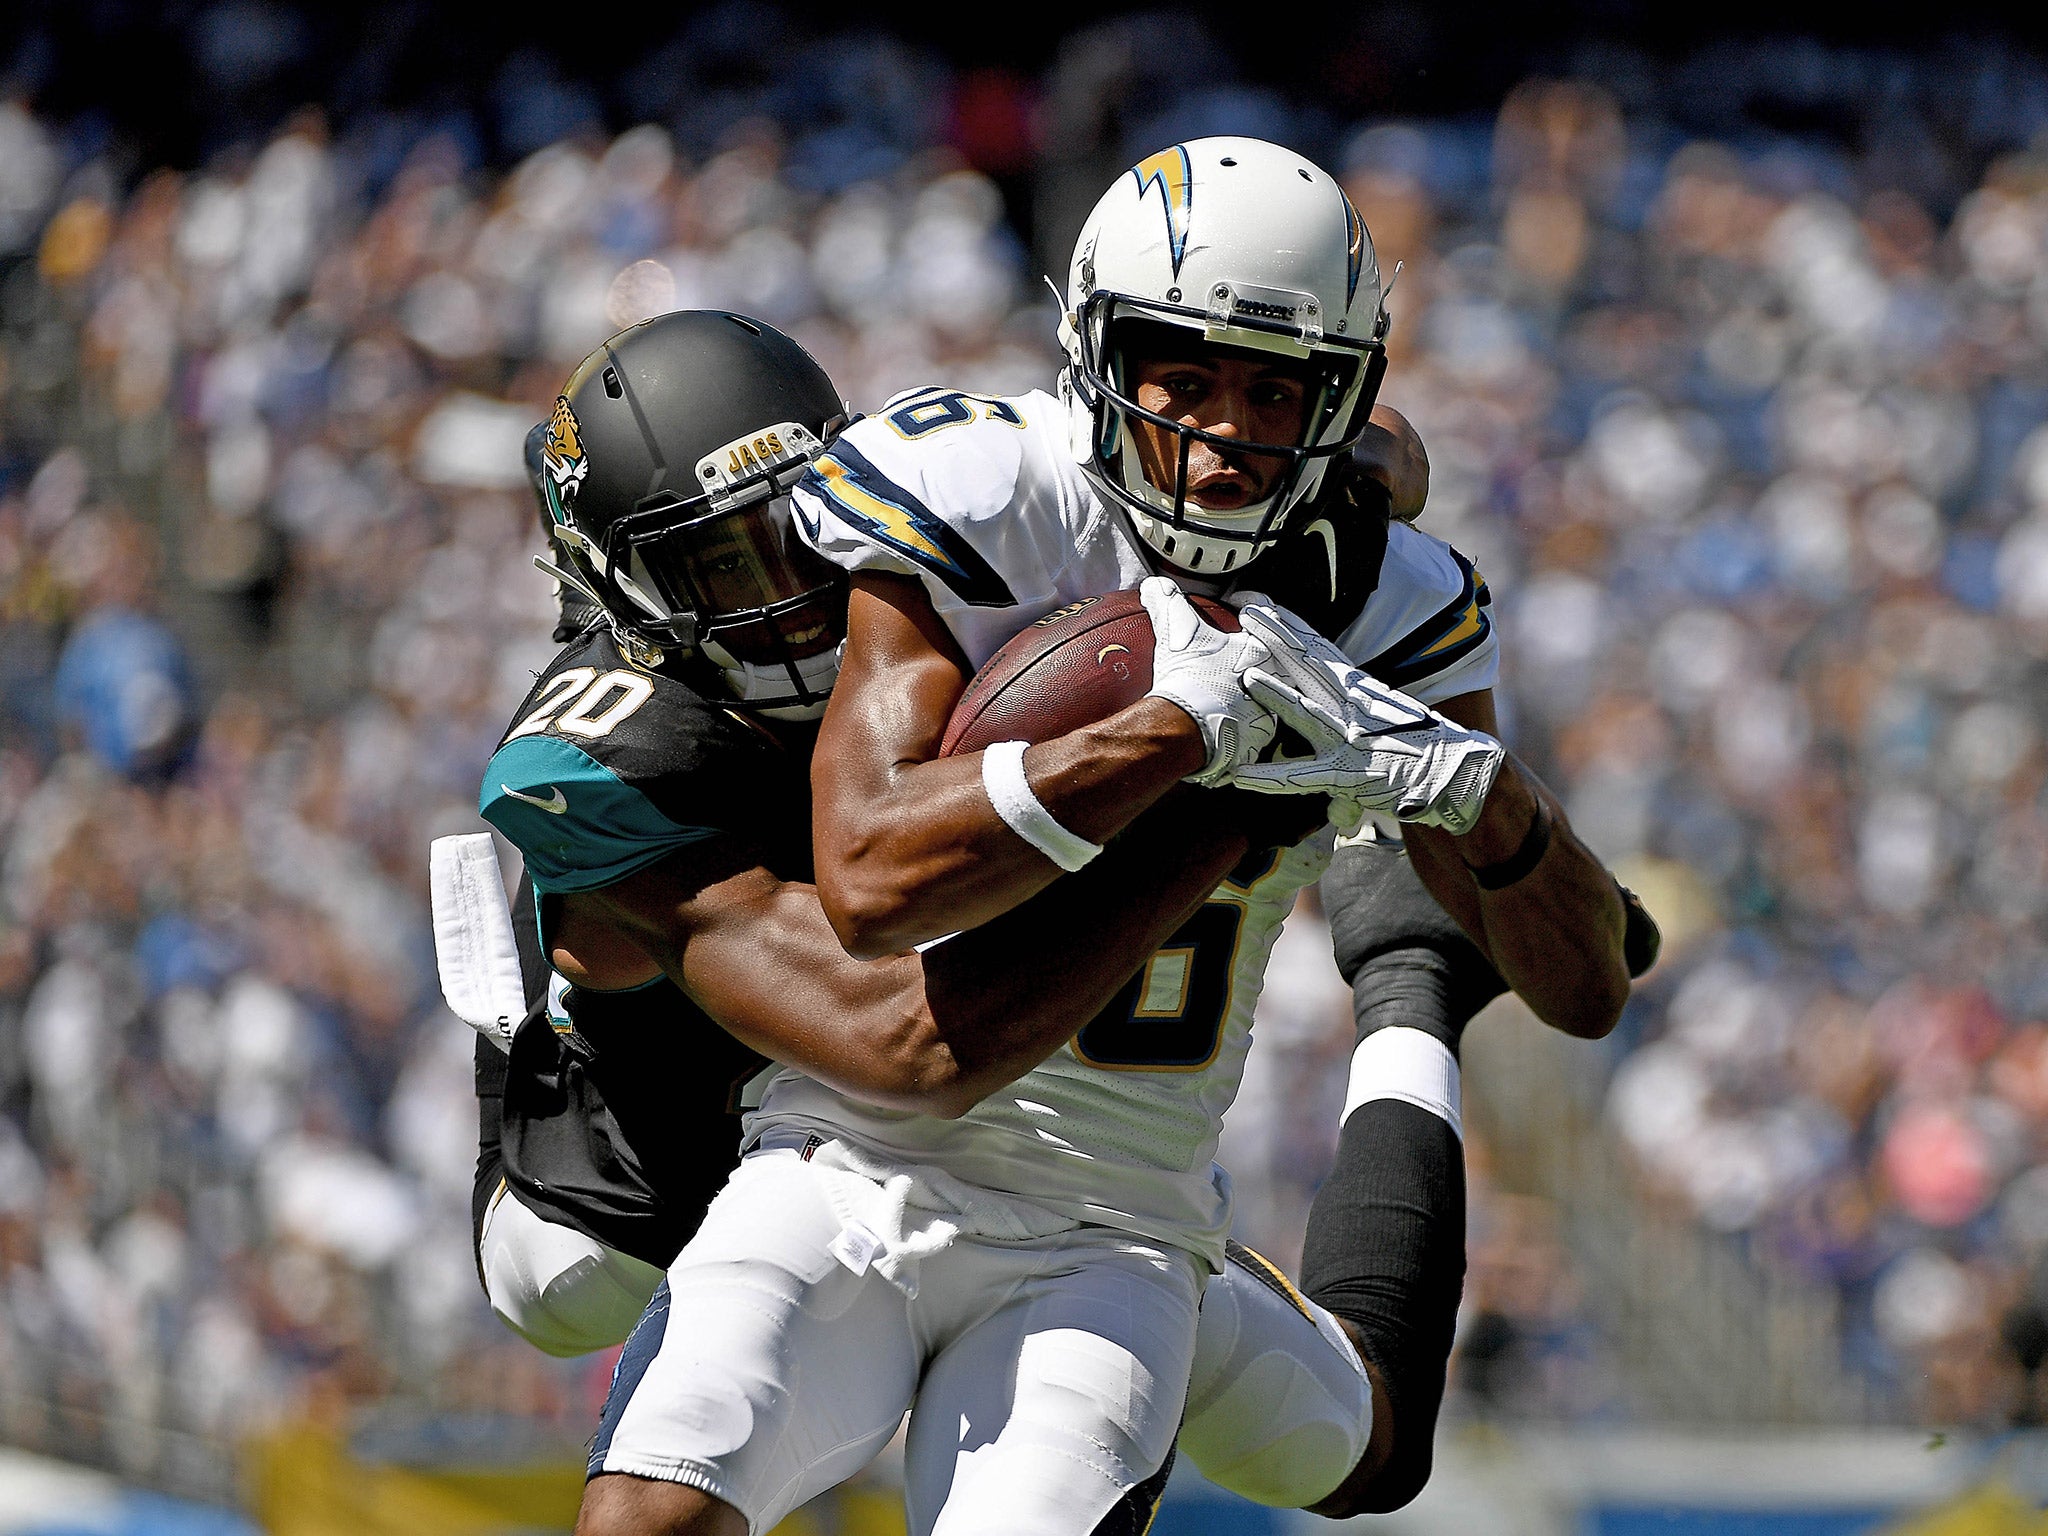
(562, 454)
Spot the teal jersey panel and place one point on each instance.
(578, 825)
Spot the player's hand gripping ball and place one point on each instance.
(1083, 663)
(1075, 666)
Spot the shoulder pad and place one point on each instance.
(579, 825)
(927, 486)
(608, 767)
(1429, 628)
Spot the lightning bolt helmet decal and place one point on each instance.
(1171, 169)
(1354, 236)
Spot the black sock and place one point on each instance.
(1385, 1251)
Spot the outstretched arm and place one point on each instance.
(933, 1032)
(1384, 1248)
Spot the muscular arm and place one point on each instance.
(1555, 935)
(908, 846)
(932, 1032)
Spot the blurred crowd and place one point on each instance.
(1745, 431)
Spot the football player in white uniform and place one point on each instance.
(1224, 326)
(1030, 1271)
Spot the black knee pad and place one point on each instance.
(1386, 1252)
(1132, 1514)
(1406, 958)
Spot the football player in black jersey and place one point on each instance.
(655, 783)
(596, 1213)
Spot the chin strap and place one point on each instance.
(633, 646)
(1383, 320)
(568, 579)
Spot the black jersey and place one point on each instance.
(610, 766)
(553, 1118)
(620, 1112)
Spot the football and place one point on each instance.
(1077, 665)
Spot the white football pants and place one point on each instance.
(562, 1292)
(1048, 1367)
(1278, 1407)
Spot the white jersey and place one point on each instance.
(981, 499)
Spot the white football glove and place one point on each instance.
(1372, 745)
(1200, 668)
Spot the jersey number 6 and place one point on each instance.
(1169, 1017)
(947, 408)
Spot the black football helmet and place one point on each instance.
(666, 470)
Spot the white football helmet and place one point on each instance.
(1247, 245)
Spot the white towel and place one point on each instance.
(473, 944)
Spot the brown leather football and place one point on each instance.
(1075, 666)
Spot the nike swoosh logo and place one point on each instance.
(1322, 526)
(554, 807)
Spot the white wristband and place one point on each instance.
(1002, 776)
